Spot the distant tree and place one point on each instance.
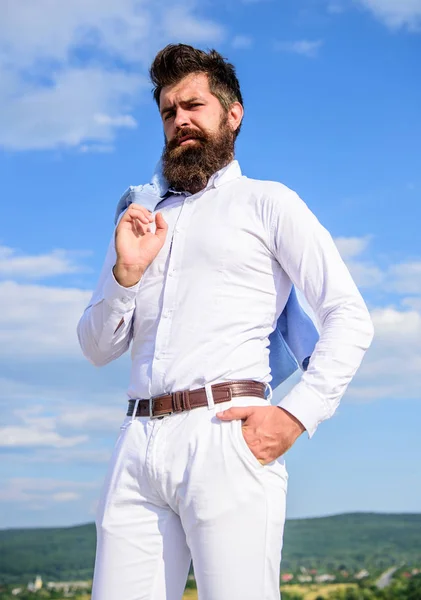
(291, 596)
(414, 588)
(191, 584)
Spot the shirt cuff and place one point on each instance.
(306, 406)
(119, 298)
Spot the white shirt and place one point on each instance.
(204, 309)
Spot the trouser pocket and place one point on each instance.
(245, 453)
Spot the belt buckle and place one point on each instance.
(151, 407)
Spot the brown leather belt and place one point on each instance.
(161, 406)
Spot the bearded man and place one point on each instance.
(200, 269)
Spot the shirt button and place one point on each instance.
(125, 300)
(172, 273)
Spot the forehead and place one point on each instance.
(194, 85)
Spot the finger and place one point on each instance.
(161, 226)
(140, 213)
(138, 208)
(137, 227)
(140, 228)
(236, 413)
(132, 216)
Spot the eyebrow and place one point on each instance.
(188, 101)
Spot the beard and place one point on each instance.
(188, 168)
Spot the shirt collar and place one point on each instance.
(230, 172)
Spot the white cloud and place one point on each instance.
(16, 391)
(97, 148)
(36, 429)
(412, 302)
(71, 402)
(242, 42)
(307, 48)
(39, 321)
(57, 262)
(23, 437)
(392, 367)
(42, 415)
(365, 273)
(396, 13)
(350, 247)
(179, 22)
(401, 278)
(72, 456)
(392, 325)
(119, 121)
(66, 112)
(42, 491)
(65, 497)
(73, 79)
(82, 418)
(405, 278)
(69, 25)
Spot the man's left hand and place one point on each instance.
(269, 431)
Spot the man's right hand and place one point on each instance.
(136, 246)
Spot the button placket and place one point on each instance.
(169, 303)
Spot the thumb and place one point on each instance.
(235, 414)
(161, 226)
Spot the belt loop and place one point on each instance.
(176, 403)
(185, 400)
(269, 387)
(136, 404)
(209, 396)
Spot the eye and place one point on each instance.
(168, 115)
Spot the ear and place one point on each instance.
(235, 115)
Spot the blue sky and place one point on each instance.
(332, 95)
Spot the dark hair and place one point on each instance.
(176, 61)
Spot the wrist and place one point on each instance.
(127, 276)
(298, 426)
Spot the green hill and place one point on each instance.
(56, 554)
(373, 541)
(370, 540)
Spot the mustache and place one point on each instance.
(192, 133)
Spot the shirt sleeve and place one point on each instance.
(105, 328)
(308, 255)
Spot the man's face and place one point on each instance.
(189, 105)
(199, 136)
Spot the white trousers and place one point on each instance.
(188, 487)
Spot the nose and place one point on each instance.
(181, 119)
